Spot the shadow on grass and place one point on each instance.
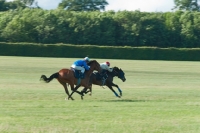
(125, 100)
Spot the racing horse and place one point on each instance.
(66, 76)
(95, 78)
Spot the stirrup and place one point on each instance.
(103, 81)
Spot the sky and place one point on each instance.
(120, 5)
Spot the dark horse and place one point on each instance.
(95, 79)
(65, 76)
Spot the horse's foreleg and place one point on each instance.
(90, 90)
(74, 90)
(84, 91)
(120, 91)
(80, 93)
(110, 87)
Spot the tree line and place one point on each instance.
(70, 5)
(122, 28)
(88, 5)
(83, 22)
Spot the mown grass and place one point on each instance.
(158, 97)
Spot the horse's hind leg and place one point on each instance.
(66, 90)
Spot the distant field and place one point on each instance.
(158, 97)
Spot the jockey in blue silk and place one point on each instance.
(81, 65)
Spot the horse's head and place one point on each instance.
(94, 65)
(120, 74)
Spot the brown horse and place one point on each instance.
(65, 76)
(95, 79)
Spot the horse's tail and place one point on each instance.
(47, 80)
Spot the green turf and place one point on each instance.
(158, 97)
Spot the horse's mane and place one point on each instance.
(115, 68)
(92, 61)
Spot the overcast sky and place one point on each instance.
(130, 5)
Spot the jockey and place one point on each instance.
(105, 66)
(81, 65)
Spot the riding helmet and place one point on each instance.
(108, 63)
(87, 59)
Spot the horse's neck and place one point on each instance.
(89, 72)
(112, 74)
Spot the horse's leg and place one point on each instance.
(74, 90)
(120, 91)
(110, 87)
(80, 93)
(84, 90)
(66, 89)
(90, 90)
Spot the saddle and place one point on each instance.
(98, 76)
(103, 76)
(78, 74)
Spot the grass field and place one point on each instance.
(158, 97)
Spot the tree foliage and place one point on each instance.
(83, 5)
(17, 4)
(188, 5)
(27, 2)
(122, 28)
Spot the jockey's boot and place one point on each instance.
(103, 81)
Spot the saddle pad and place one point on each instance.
(77, 74)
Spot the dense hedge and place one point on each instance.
(109, 52)
(122, 28)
